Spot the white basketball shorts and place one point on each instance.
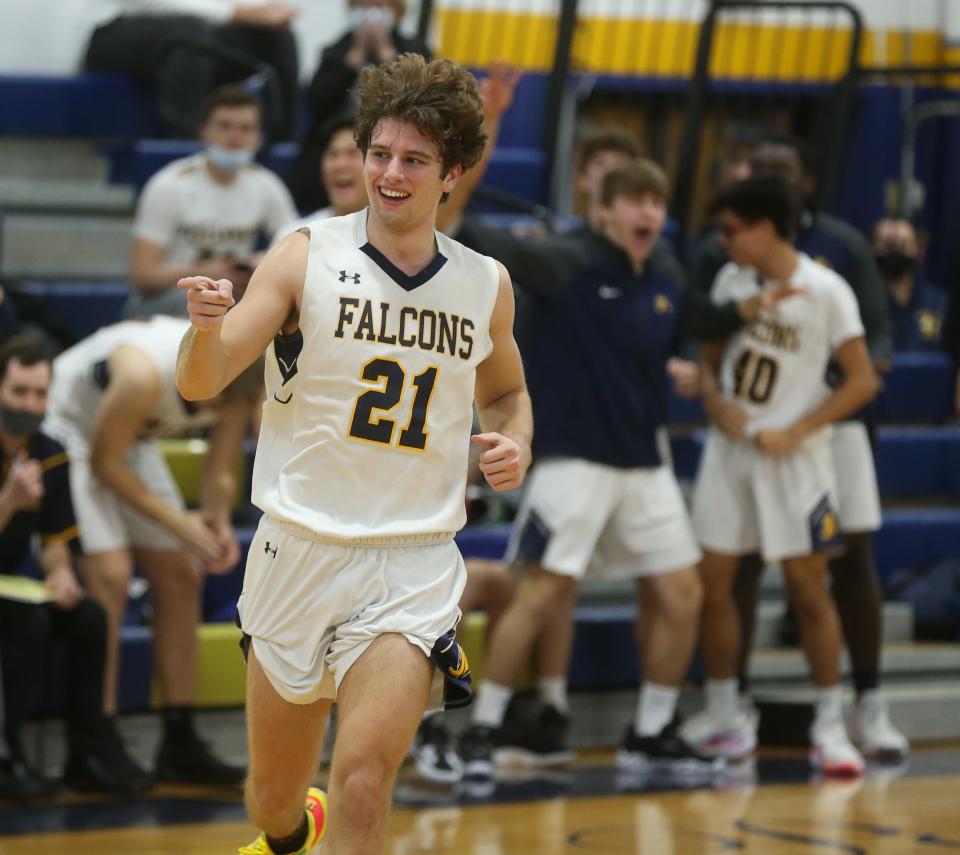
(745, 501)
(312, 608)
(634, 520)
(106, 522)
(857, 492)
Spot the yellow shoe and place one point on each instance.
(316, 807)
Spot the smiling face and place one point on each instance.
(404, 177)
(635, 223)
(341, 170)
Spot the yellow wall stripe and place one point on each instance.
(667, 48)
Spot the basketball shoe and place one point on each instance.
(316, 808)
(667, 750)
(434, 752)
(872, 730)
(831, 749)
(731, 739)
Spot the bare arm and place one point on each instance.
(496, 90)
(150, 272)
(859, 385)
(130, 400)
(503, 403)
(220, 345)
(58, 574)
(730, 417)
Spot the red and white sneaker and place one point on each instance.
(831, 749)
(730, 739)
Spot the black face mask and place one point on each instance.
(20, 423)
(893, 263)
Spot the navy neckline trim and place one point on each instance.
(408, 283)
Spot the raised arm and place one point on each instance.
(220, 344)
(503, 404)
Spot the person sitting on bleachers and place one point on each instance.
(35, 501)
(204, 213)
(161, 43)
(372, 37)
(112, 394)
(916, 306)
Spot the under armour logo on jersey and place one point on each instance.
(344, 276)
(268, 551)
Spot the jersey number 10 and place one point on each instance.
(364, 425)
(754, 377)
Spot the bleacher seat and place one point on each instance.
(97, 106)
(81, 307)
(918, 389)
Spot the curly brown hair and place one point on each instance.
(438, 98)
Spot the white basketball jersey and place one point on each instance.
(366, 426)
(81, 374)
(775, 367)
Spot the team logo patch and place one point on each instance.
(354, 277)
(662, 304)
(824, 527)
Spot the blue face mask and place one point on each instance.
(230, 159)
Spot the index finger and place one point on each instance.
(197, 283)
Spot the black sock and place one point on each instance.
(292, 842)
(178, 723)
(865, 680)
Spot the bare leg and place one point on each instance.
(819, 627)
(672, 608)
(540, 595)
(379, 706)
(175, 583)
(719, 624)
(106, 575)
(285, 743)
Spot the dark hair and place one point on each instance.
(636, 178)
(762, 197)
(439, 98)
(606, 139)
(342, 121)
(230, 95)
(26, 349)
(795, 144)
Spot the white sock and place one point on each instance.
(829, 703)
(722, 699)
(491, 704)
(553, 691)
(655, 708)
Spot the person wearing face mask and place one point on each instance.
(144, 39)
(917, 308)
(206, 212)
(35, 500)
(372, 37)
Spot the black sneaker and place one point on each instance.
(533, 734)
(476, 751)
(20, 782)
(100, 764)
(667, 750)
(188, 760)
(434, 752)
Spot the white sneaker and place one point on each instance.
(731, 739)
(831, 749)
(872, 730)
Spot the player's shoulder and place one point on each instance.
(733, 277)
(816, 275)
(181, 168)
(462, 256)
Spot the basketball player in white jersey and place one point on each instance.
(766, 480)
(381, 332)
(111, 395)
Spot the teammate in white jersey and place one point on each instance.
(384, 333)
(111, 394)
(766, 479)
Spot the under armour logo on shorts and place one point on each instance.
(268, 550)
(344, 276)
